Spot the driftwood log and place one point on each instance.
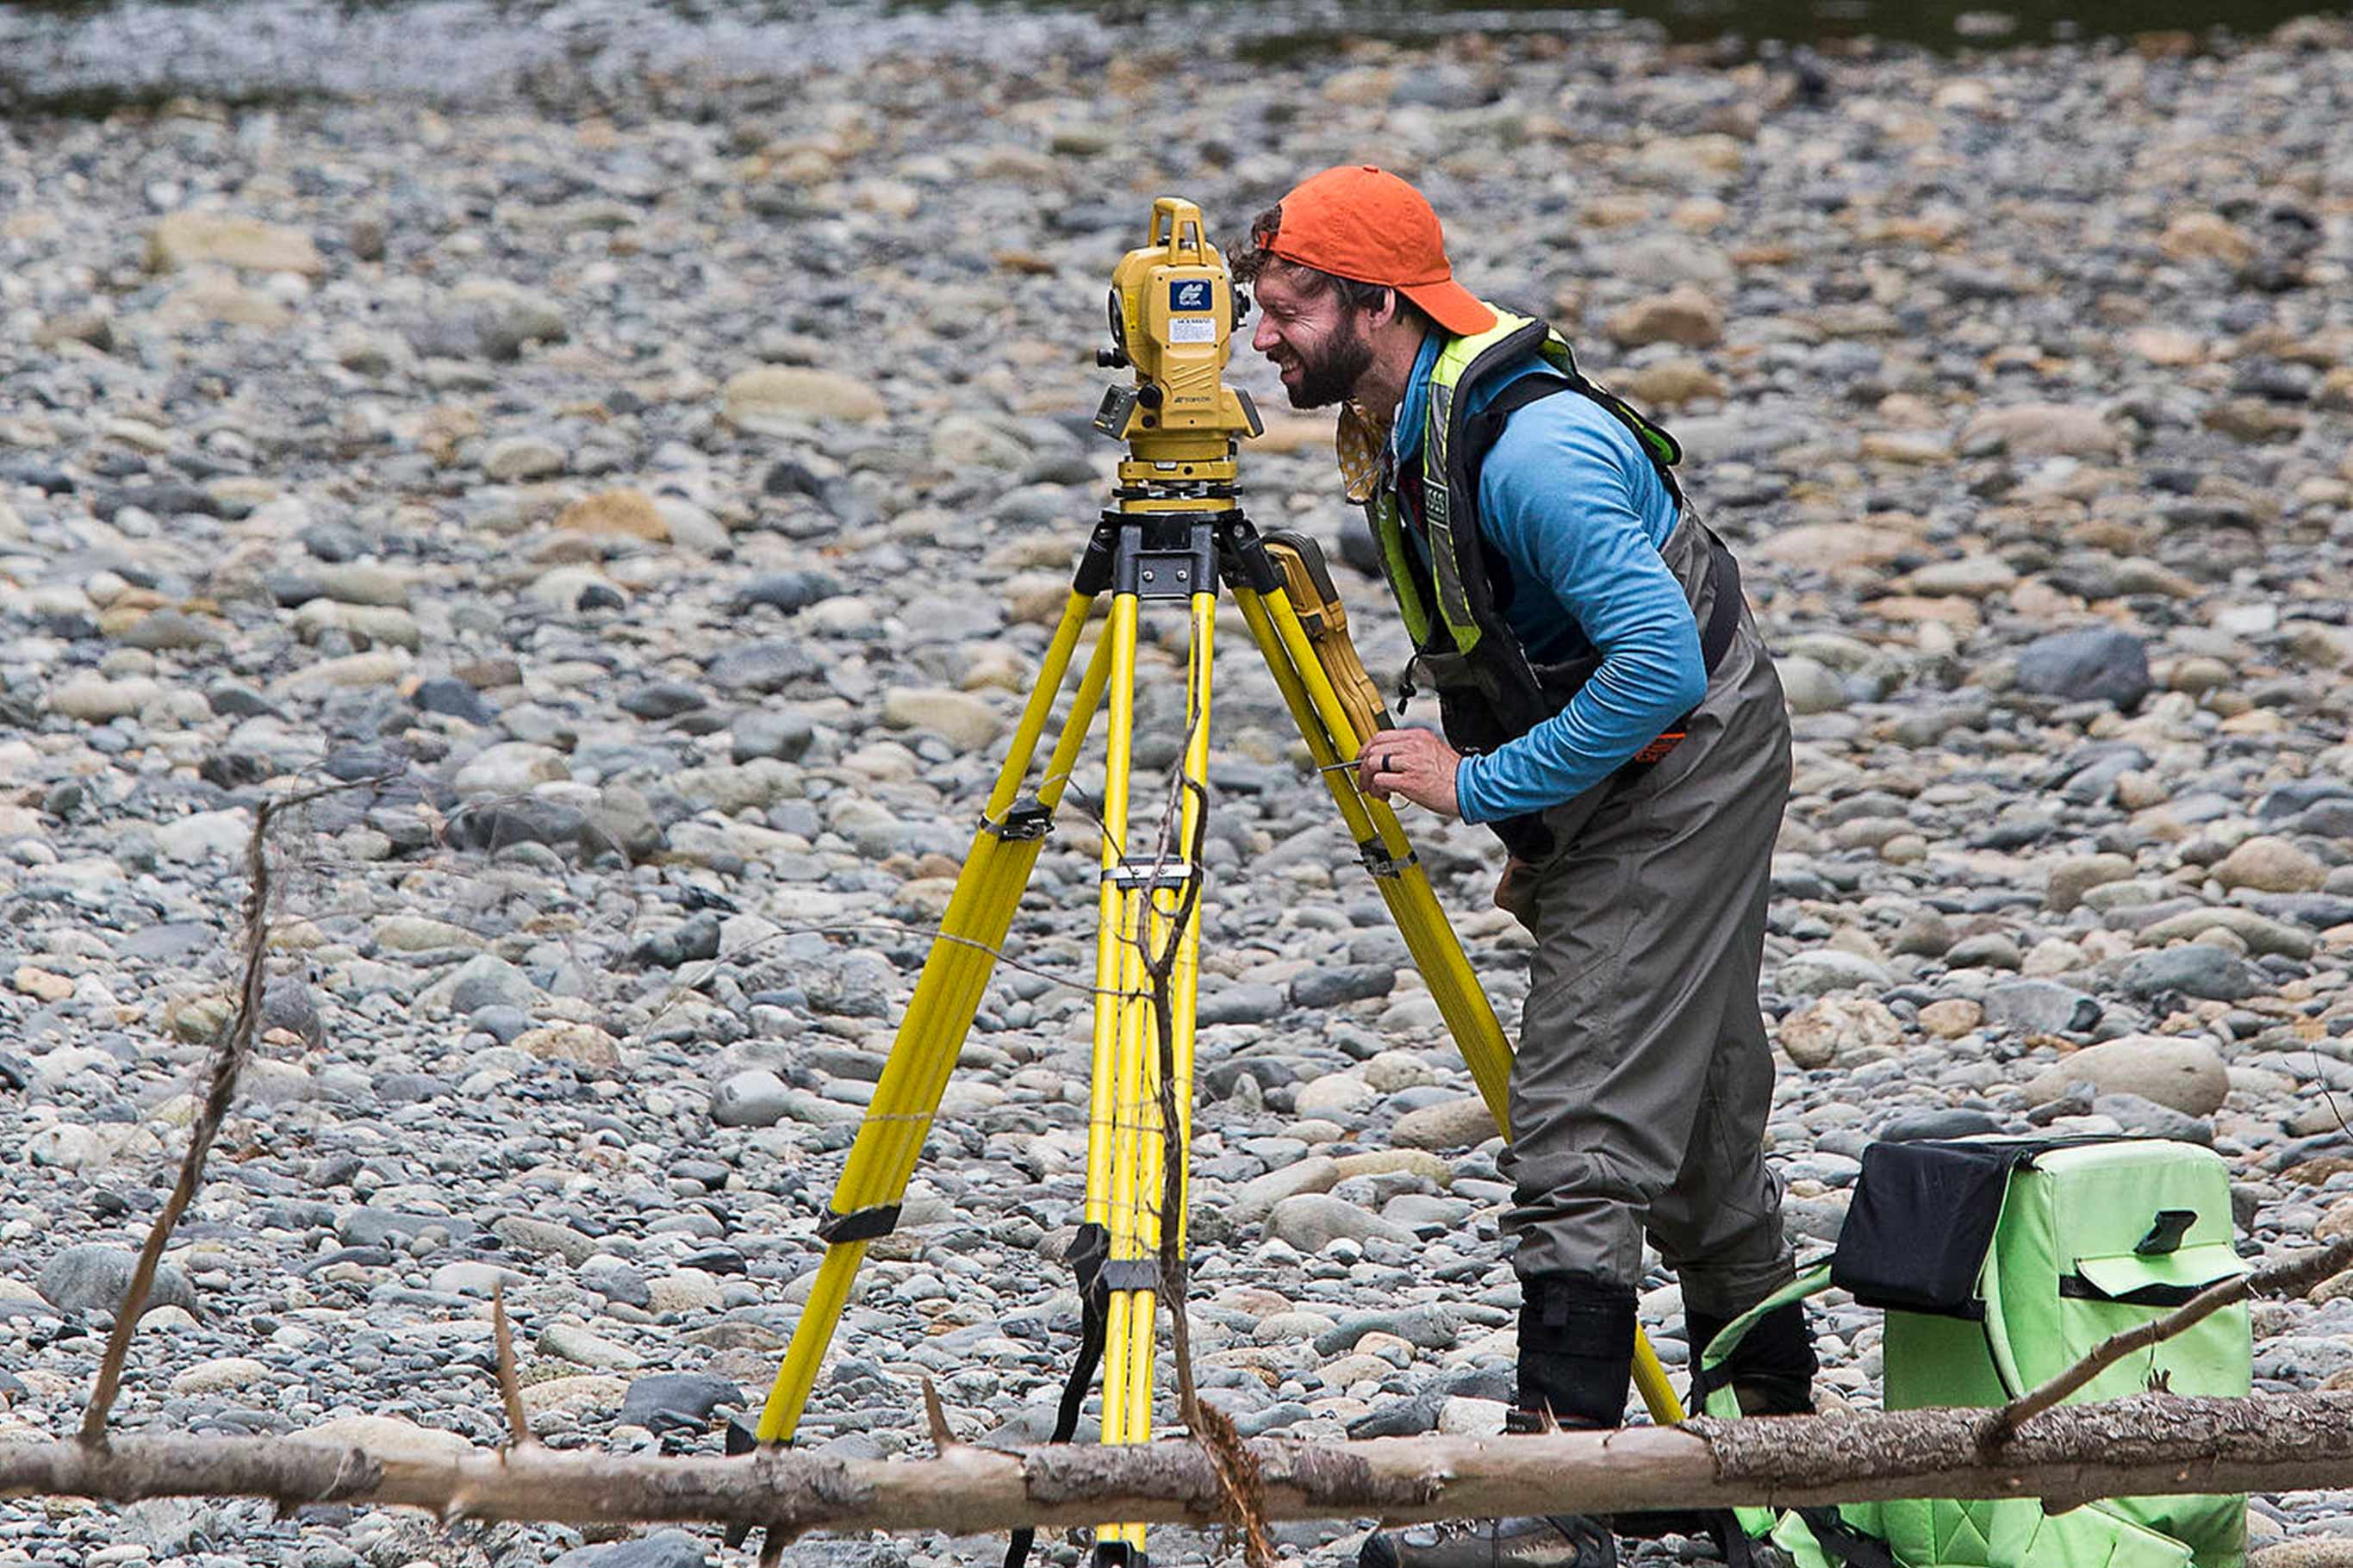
(2152, 1444)
(2066, 1455)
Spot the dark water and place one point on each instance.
(86, 56)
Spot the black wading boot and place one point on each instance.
(1772, 1370)
(1576, 1356)
(1772, 1374)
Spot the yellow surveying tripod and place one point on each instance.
(1173, 533)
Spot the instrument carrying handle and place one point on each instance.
(1179, 215)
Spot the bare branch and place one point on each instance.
(937, 1419)
(2293, 1278)
(1243, 1504)
(2003, 1423)
(230, 1048)
(2129, 1447)
(2297, 1275)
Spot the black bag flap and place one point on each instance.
(1922, 1216)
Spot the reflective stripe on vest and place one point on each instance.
(1437, 497)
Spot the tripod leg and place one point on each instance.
(1114, 932)
(956, 975)
(1120, 1009)
(1151, 1066)
(1185, 990)
(1429, 937)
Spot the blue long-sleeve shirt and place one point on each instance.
(1571, 504)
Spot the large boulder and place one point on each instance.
(2185, 1074)
(193, 238)
(2096, 662)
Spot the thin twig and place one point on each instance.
(936, 1418)
(1159, 968)
(519, 1432)
(2293, 1278)
(2004, 1423)
(230, 1048)
(2296, 1276)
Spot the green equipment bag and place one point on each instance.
(2000, 1262)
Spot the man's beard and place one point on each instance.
(1332, 375)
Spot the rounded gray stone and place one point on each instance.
(93, 1276)
(2040, 1008)
(1825, 970)
(752, 1098)
(1308, 1221)
(1348, 982)
(2185, 1074)
(662, 1549)
(487, 980)
(2194, 969)
(2096, 662)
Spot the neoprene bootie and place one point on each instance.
(1577, 1348)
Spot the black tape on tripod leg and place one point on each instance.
(859, 1224)
(1090, 1252)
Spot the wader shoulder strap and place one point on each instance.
(1480, 432)
(1723, 614)
(1711, 1392)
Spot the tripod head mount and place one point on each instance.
(1173, 310)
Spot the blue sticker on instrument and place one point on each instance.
(1188, 294)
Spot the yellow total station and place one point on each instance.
(1172, 323)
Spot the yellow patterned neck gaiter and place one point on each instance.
(1361, 446)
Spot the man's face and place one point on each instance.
(1315, 340)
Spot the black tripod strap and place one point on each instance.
(1089, 1254)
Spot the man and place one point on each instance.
(1612, 712)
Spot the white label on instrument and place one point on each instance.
(1203, 331)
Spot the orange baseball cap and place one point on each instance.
(1363, 223)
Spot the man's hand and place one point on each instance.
(1414, 764)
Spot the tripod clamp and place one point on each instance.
(1030, 817)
